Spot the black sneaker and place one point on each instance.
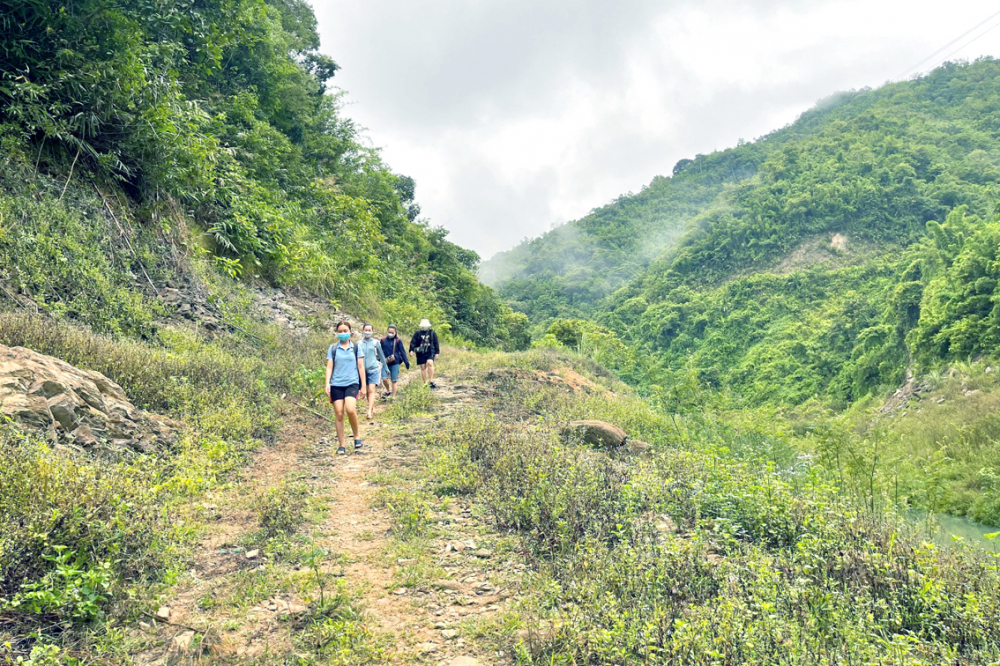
(432, 385)
(341, 451)
(358, 444)
(387, 395)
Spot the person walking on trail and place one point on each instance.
(371, 349)
(395, 353)
(345, 381)
(425, 344)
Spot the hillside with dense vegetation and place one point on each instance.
(823, 260)
(839, 278)
(211, 123)
(185, 211)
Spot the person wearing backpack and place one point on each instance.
(425, 344)
(371, 349)
(345, 380)
(394, 352)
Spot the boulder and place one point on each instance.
(74, 406)
(595, 433)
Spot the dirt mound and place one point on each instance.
(75, 406)
(565, 377)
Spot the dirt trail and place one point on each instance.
(421, 598)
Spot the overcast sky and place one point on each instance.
(515, 116)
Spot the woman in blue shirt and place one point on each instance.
(371, 349)
(345, 380)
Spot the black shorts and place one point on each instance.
(341, 392)
(421, 359)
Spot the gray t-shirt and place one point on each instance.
(345, 370)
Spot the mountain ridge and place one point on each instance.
(877, 167)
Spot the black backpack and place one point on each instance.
(425, 347)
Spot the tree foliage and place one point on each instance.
(224, 106)
(822, 260)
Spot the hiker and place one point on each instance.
(371, 349)
(394, 353)
(345, 381)
(425, 343)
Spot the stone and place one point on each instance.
(636, 447)
(448, 585)
(449, 634)
(465, 661)
(484, 553)
(182, 642)
(427, 648)
(163, 613)
(595, 433)
(84, 436)
(399, 591)
(252, 554)
(30, 410)
(71, 405)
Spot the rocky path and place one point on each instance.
(432, 582)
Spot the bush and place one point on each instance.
(415, 398)
(280, 509)
(73, 532)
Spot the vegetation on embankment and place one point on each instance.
(146, 132)
(85, 542)
(723, 545)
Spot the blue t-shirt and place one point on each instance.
(372, 352)
(345, 370)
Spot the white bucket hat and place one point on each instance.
(425, 323)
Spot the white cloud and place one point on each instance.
(517, 115)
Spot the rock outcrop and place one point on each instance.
(75, 406)
(603, 435)
(595, 433)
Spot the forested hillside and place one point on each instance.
(823, 260)
(213, 123)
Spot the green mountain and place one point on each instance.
(822, 260)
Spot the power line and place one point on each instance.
(952, 42)
(985, 32)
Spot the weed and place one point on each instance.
(280, 509)
(415, 398)
(410, 510)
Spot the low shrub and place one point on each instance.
(719, 546)
(410, 510)
(415, 398)
(73, 531)
(280, 509)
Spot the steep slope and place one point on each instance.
(211, 123)
(811, 277)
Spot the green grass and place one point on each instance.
(413, 399)
(770, 562)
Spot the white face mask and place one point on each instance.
(390, 335)
(368, 335)
(425, 327)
